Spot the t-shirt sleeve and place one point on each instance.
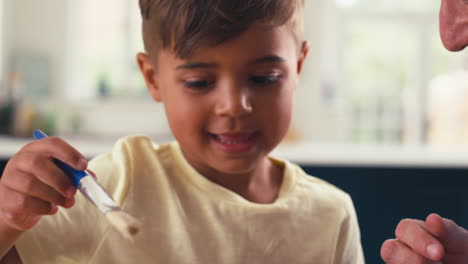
(349, 248)
(72, 235)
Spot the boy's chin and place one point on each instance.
(239, 166)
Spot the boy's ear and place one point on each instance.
(148, 71)
(302, 56)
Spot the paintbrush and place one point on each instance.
(127, 225)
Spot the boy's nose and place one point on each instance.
(234, 103)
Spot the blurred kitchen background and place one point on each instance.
(377, 74)
(381, 111)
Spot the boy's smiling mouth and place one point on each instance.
(233, 142)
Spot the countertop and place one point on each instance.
(307, 153)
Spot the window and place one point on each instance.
(365, 82)
(108, 36)
(2, 17)
(377, 66)
(390, 5)
(105, 92)
(377, 79)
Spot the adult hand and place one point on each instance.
(436, 240)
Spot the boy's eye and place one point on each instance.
(198, 85)
(265, 79)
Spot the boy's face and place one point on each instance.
(229, 105)
(453, 23)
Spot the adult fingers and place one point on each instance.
(453, 237)
(394, 251)
(414, 235)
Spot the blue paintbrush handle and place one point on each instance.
(75, 175)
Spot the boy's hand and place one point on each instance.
(437, 240)
(32, 185)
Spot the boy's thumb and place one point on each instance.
(453, 237)
(92, 173)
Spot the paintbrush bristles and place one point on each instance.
(126, 224)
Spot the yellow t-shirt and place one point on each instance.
(189, 219)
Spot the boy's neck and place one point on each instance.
(261, 185)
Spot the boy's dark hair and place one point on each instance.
(184, 25)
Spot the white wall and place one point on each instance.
(46, 28)
(39, 27)
(315, 118)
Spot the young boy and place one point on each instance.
(226, 72)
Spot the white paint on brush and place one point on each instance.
(126, 224)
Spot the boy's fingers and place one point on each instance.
(20, 222)
(61, 150)
(394, 251)
(47, 171)
(453, 237)
(412, 233)
(18, 205)
(27, 184)
(91, 173)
